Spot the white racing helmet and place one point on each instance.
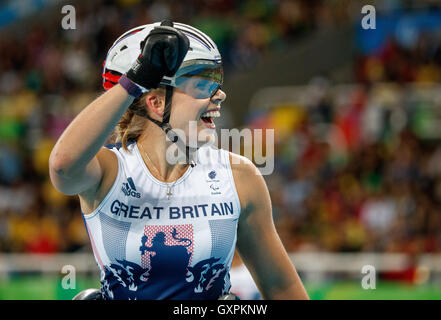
(202, 60)
(126, 49)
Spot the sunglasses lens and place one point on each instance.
(201, 83)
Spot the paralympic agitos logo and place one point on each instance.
(129, 189)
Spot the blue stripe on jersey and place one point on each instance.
(114, 234)
(223, 233)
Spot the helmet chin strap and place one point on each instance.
(165, 124)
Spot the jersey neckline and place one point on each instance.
(150, 175)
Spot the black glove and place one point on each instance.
(162, 53)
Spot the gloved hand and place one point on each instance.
(162, 53)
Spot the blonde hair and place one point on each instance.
(132, 123)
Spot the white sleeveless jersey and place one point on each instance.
(153, 241)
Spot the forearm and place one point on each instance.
(287, 285)
(294, 292)
(87, 133)
(292, 289)
(272, 270)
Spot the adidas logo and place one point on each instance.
(129, 189)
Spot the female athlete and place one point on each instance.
(165, 214)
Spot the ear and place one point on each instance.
(155, 103)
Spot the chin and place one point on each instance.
(206, 136)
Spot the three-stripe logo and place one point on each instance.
(129, 189)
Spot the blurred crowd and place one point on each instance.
(421, 62)
(369, 186)
(45, 58)
(358, 169)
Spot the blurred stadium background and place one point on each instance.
(356, 113)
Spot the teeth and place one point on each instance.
(211, 114)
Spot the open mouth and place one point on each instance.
(207, 117)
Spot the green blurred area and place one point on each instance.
(50, 288)
(42, 287)
(383, 291)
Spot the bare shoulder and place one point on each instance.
(90, 199)
(250, 185)
(242, 165)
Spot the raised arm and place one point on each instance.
(78, 159)
(258, 243)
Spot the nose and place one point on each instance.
(219, 96)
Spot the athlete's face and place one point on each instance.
(196, 117)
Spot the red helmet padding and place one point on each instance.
(109, 79)
(107, 85)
